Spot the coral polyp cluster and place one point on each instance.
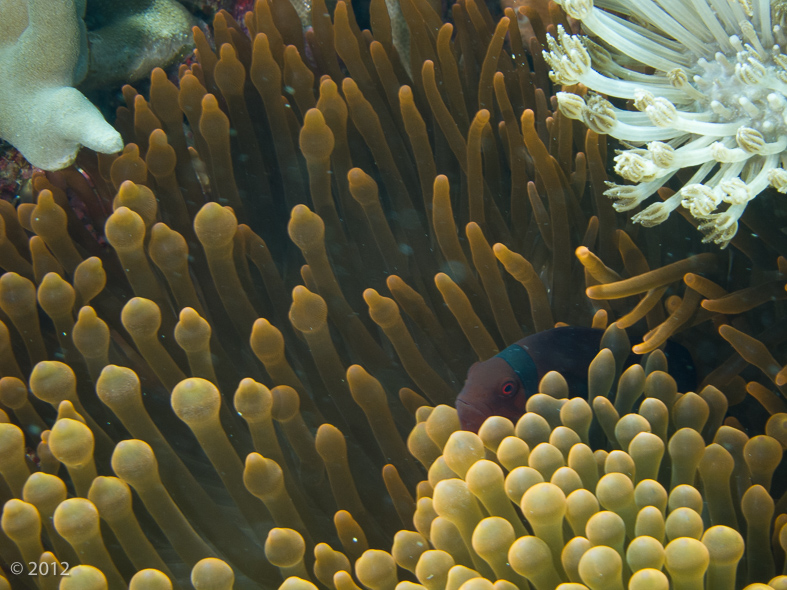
(713, 99)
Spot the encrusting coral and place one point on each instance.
(202, 453)
(43, 55)
(714, 100)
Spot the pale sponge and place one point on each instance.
(42, 56)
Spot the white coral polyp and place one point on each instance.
(716, 99)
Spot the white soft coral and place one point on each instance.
(42, 51)
(717, 99)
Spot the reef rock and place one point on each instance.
(127, 40)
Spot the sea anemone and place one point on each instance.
(708, 80)
(661, 502)
(161, 298)
(642, 488)
(221, 398)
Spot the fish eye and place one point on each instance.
(508, 389)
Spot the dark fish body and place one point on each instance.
(501, 385)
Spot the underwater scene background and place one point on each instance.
(234, 324)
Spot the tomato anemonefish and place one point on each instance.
(501, 385)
